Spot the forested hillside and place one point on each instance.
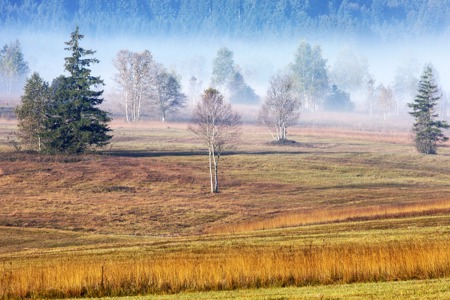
(232, 18)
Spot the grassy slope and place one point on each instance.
(155, 183)
(31, 242)
(164, 191)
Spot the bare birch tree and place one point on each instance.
(194, 89)
(281, 107)
(385, 101)
(218, 126)
(136, 76)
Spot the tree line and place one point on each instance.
(145, 87)
(345, 85)
(235, 18)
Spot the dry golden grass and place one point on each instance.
(317, 216)
(194, 267)
(6, 128)
(77, 264)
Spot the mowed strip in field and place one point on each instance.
(399, 290)
(337, 206)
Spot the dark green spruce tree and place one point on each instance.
(75, 122)
(426, 128)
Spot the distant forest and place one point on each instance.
(382, 19)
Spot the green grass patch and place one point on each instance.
(405, 290)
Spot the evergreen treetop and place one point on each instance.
(426, 128)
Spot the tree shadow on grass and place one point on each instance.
(142, 153)
(146, 153)
(292, 148)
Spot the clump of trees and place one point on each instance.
(427, 129)
(385, 101)
(146, 86)
(228, 78)
(281, 107)
(168, 97)
(218, 126)
(404, 86)
(349, 71)
(32, 112)
(223, 68)
(136, 72)
(13, 67)
(338, 100)
(64, 117)
(311, 75)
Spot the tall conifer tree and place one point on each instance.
(426, 128)
(75, 122)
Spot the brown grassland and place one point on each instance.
(342, 205)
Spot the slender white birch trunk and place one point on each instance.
(211, 169)
(126, 107)
(216, 173)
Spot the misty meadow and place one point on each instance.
(224, 149)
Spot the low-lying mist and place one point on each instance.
(257, 60)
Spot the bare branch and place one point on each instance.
(218, 126)
(281, 107)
